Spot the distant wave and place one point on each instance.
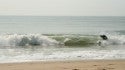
(58, 40)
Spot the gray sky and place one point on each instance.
(63, 7)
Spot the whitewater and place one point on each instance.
(44, 38)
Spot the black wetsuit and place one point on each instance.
(104, 37)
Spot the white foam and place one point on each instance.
(59, 54)
(23, 40)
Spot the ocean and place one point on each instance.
(59, 38)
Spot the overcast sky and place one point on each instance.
(63, 7)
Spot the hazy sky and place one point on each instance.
(63, 7)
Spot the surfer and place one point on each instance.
(104, 37)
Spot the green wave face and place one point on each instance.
(77, 40)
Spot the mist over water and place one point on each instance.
(44, 38)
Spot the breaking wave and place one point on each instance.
(25, 40)
(58, 40)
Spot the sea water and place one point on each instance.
(52, 38)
